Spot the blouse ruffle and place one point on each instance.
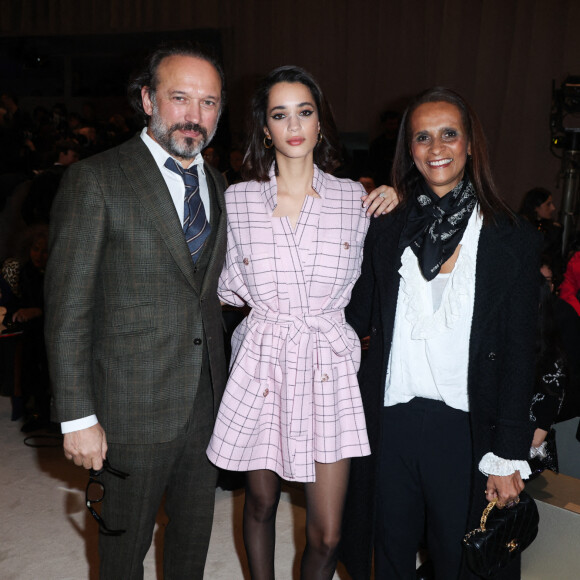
(491, 464)
(457, 296)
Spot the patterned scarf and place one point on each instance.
(435, 225)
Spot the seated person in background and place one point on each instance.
(550, 382)
(37, 204)
(10, 347)
(212, 156)
(30, 315)
(9, 287)
(233, 172)
(567, 312)
(538, 208)
(382, 148)
(368, 181)
(570, 287)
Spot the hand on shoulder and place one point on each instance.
(380, 201)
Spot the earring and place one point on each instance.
(319, 140)
(267, 142)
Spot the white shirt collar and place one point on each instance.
(160, 155)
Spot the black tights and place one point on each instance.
(324, 507)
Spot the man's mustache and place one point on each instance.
(189, 127)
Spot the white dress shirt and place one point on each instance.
(175, 182)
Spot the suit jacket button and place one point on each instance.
(197, 341)
(491, 356)
(373, 330)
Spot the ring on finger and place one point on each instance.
(382, 195)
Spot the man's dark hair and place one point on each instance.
(147, 75)
(258, 159)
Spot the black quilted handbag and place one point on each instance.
(502, 535)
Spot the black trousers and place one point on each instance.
(424, 488)
(179, 469)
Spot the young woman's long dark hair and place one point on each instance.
(258, 158)
(405, 174)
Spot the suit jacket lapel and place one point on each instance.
(150, 189)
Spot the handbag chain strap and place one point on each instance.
(486, 513)
(483, 521)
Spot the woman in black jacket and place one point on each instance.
(449, 295)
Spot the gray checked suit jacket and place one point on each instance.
(128, 318)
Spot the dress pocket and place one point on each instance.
(337, 263)
(258, 273)
(240, 412)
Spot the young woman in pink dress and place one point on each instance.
(292, 408)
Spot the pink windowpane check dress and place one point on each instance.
(292, 397)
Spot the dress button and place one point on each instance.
(346, 245)
(266, 391)
(197, 341)
(491, 356)
(246, 261)
(324, 377)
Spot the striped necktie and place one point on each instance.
(196, 228)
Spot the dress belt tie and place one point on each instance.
(330, 324)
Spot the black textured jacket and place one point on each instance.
(501, 360)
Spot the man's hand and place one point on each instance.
(86, 447)
(505, 488)
(380, 201)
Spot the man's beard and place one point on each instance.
(185, 148)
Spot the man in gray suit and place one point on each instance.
(133, 323)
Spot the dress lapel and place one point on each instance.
(307, 225)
